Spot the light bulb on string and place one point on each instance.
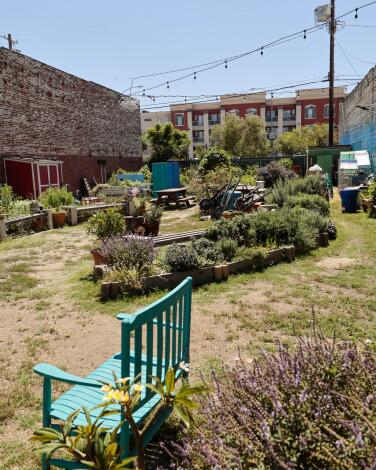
(168, 85)
(143, 92)
(356, 13)
(194, 76)
(262, 50)
(226, 64)
(305, 34)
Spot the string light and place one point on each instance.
(194, 75)
(168, 84)
(217, 63)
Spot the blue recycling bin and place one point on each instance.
(349, 199)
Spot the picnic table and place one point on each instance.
(175, 196)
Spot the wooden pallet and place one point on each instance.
(163, 240)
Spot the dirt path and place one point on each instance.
(47, 316)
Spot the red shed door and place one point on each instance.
(48, 176)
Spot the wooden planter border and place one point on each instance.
(111, 290)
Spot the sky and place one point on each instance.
(109, 42)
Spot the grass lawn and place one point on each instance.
(50, 311)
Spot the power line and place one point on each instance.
(214, 64)
(240, 94)
(348, 60)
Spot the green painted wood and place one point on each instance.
(137, 351)
(159, 344)
(149, 354)
(180, 328)
(167, 340)
(174, 326)
(171, 337)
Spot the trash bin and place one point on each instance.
(349, 199)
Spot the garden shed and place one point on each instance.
(29, 177)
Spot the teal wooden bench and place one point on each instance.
(152, 340)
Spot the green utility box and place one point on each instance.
(165, 175)
(327, 158)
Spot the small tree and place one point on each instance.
(215, 158)
(298, 140)
(166, 142)
(242, 137)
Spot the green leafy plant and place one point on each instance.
(371, 193)
(166, 142)
(207, 250)
(55, 198)
(6, 198)
(313, 202)
(153, 215)
(214, 158)
(228, 248)
(96, 446)
(106, 224)
(181, 258)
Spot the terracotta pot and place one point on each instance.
(97, 256)
(39, 224)
(59, 219)
(152, 229)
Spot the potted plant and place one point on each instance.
(152, 219)
(140, 205)
(56, 198)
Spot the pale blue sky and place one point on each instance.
(109, 41)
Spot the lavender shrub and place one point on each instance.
(310, 409)
(129, 252)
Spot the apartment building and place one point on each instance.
(307, 107)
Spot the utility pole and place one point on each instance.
(11, 42)
(332, 32)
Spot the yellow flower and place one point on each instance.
(138, 388)
(125, 398)
(106, 388)
(109, 396)
(117, 394)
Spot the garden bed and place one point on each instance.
(111, 290)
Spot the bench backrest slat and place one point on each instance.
(161, 334)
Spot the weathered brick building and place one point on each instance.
(47, 113)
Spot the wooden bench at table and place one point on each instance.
(152, 340)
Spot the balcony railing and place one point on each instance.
(213, 122)
(198, 140)
(197, 123)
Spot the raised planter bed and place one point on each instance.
(111, 290)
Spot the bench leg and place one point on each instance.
(47, 392)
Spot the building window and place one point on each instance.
(251, 112)
(214, 118)
(272, 115)
(289, 114)
(326, 111)
(179, 119)
(272, 133)
(198, 136)
(198, 120)
(310, 111)
(233, 111)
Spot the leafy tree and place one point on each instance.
(214, 158)
(298, 140)
(199, 151)
(167, 143)
(242, 137)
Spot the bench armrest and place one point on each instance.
(54, 373)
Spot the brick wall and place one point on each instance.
(45, 112)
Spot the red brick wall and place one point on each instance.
(45, 112)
